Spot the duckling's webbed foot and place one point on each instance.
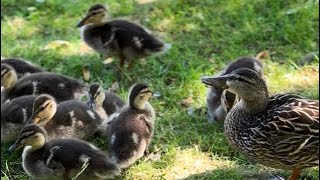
(295, 174)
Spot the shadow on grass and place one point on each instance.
(244, 173)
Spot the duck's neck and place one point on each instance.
(146, 106)
(242, 116)
(253, 107)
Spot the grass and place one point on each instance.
(206, 35)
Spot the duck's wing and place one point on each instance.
(291, 131)
(50, 162)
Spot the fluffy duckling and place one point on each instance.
(61, 87)
(220, 101)
(281, 131)
(14, 115)
(130, 129)
(104, 103)
(125, 39)
(61, 158)
(68, 119)
(22, 67)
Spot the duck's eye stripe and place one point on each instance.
(240, 79)
(40, 109)
(27, 134)
(146, 92)
(4, 72)
(97, 94)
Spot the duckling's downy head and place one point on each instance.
(139, 94)
(44, 108)
(31, 135)
(96, 15)
(96, 95)
(8, 76)
(244, 82)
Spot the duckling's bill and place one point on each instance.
(91, 103)
(83, 22)
(218, 82)
(17, 145)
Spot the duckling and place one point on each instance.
(219, 101)
(14, 115)
(127, 40)
(281, 131)
(61, 158)
(61, 87)
(22, 67)
(104, 103)
(130, 129)
(68, 119)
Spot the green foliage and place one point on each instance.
(206, 35)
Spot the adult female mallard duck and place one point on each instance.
(104, 103)
(68, 119)
(123, 38)
(130, 129)
(220, 101)
(281, 131)
(14, 115)
(61, 87)
(61, 158)
(21, 67)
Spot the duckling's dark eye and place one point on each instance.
(95, 13)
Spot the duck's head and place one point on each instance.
(97, 15)
(96, 95)
(139, 94)
(244, 82)
(30, 135)
(8, 76)
(44, 108)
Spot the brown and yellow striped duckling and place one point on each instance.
(104, 103)
(61, 158)
(14, 115)
(68, 119)
(220, 101)
(281, 131)
(61, 87)
(130, 129)
(122, 38)
(22, 67)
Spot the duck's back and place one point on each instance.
(284, 136)
(76, 118)
(60, 87)
(112, 103)
(61, 156)
(21, 67)
(119, 35)
(17, 110)
(73, 148)
(128, 129)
